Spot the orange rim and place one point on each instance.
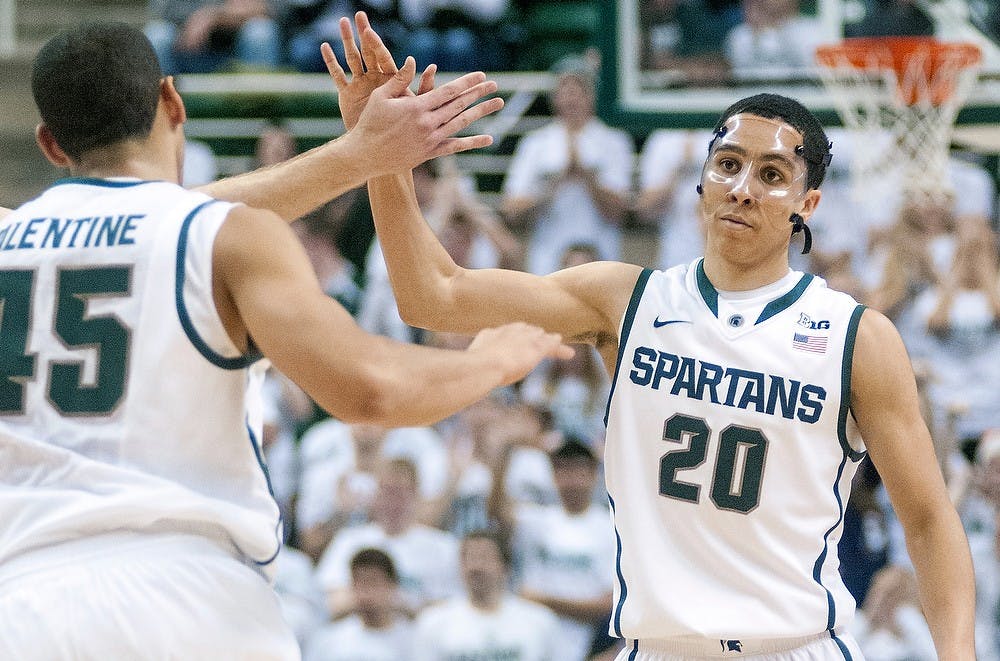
(897, 54)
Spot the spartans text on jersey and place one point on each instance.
(739, 388)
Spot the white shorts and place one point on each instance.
(821, 647)
(126, 596)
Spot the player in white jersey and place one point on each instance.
(137, 518)
(737, 414)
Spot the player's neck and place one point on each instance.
(730, 276)
(138, 159)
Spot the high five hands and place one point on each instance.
(378, 106)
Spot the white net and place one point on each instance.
(899, 97)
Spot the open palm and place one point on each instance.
(371, 66)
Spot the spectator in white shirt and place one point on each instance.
(488, 622)
(570, 181)
(376, 631)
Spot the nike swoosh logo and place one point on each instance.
(659, 324)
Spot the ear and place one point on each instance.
(172, 102)
(810, 203)
(50, 148)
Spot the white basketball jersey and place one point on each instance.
(729, 458)
(123, 403)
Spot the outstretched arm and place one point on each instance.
(885, 403)
(390, 130)
(266, 290)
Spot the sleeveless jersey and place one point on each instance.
(124, 405)
(729, 457)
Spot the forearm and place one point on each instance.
(419, 266)
(409, 385)
(295, 187)
(946, 583)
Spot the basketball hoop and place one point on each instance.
(899, 97)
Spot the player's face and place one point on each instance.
(752, 182)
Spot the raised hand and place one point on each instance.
(402, 129)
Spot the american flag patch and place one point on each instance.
(810, 343)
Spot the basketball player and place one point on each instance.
(136, 519)
(744, 394)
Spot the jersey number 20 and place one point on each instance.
(739, 463)
(75, 329)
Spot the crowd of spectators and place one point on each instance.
(718, 41)
(705, 40)
(200, 36)
(488, 535)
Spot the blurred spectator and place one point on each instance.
(574, 391)
(376, 631)
(773, 41)
(488, 621)
(311, 22)
(425, 557)
(470, 437)
(460, 35)
(318, 232)
(469, 230)
(842, 224)
(980, 511)
(341, 463)
(914, 253)
(200, 165)
(890, 626)
(201, 36)
(564, 551)
(480, 439)
(687, 36)
(378, 313)
(669, 171)
(837, 268)
(275, 144)
(301, 599)
(884, 18)
(570, 181)
(953, 324)
(457, 35)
